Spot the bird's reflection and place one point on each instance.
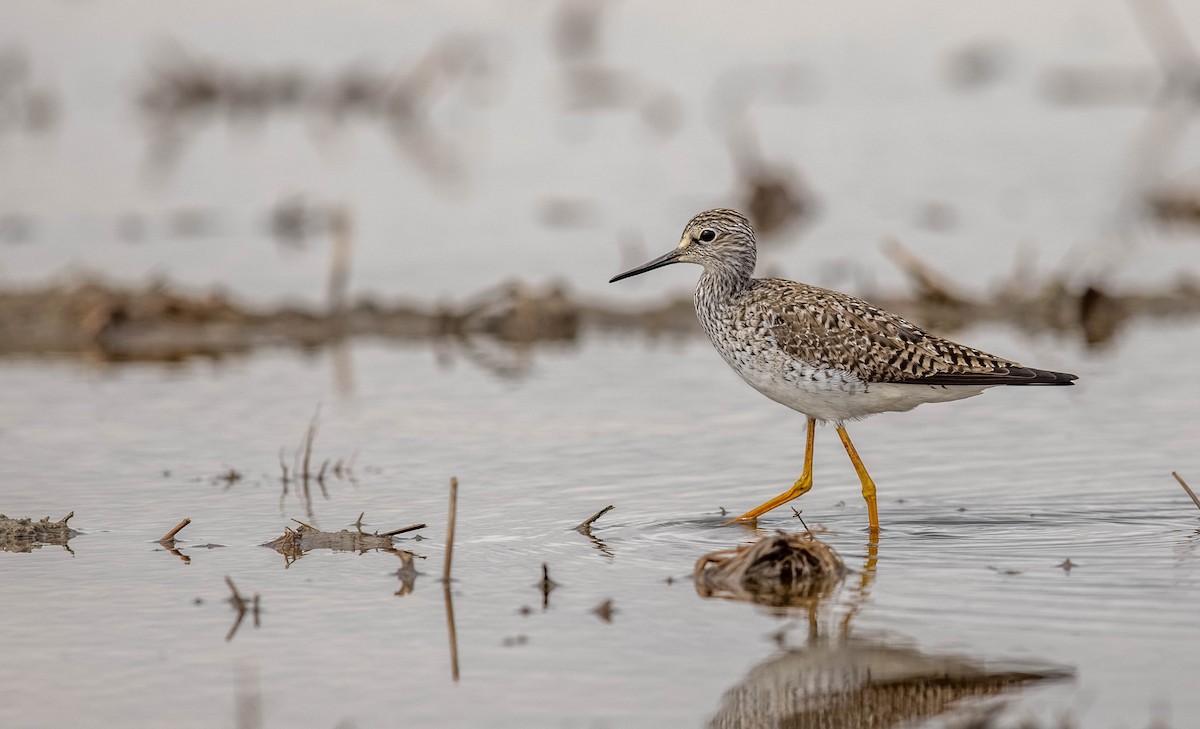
(857, 683)
(836, 679)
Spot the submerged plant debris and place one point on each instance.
(295, 543)
(26, 535)
(778, 570)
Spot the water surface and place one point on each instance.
(980, 501)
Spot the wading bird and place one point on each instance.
(826, 354)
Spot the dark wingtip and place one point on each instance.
(1048, 377)
(1010, 376)
(1033, 376)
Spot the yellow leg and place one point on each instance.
(868, 486)
(802, 485)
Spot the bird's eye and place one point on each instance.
(707, 235)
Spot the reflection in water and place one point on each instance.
(248, 703)
(501, 360)
(171, 548)
(862, 591)
(843, 681)
(855, 683)
(585, 528)
(546, 585)
(597, 542)
(243, 606)
(451, 632)
(407, 573)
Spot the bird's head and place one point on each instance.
(721, 240)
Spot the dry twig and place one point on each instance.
(585, 527)
(170, 536)
(1186, 488)
(409, 528)
(453, 513)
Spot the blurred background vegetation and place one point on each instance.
(974, 157)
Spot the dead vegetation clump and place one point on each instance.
(295, 543)
(26, 535)
(779, 570)
(161, 323)
(1093, 311)
(515, 312)
(1178, 206)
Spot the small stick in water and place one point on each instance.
(170, 536)
(413, 528)
(797, 513)
(546, 585)
(1186, 488)
(452, 633)
(450, 529)
(586, 526)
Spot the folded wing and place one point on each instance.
(822, 327)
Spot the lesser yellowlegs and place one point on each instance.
(823, 353)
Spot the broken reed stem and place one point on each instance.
(413, 528)
(169, 536)
(453, 513)
(586, 524)
(1187, 488)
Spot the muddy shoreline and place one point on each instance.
(162, 322)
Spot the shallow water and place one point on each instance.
(980, 501)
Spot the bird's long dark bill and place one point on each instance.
(665, 259)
